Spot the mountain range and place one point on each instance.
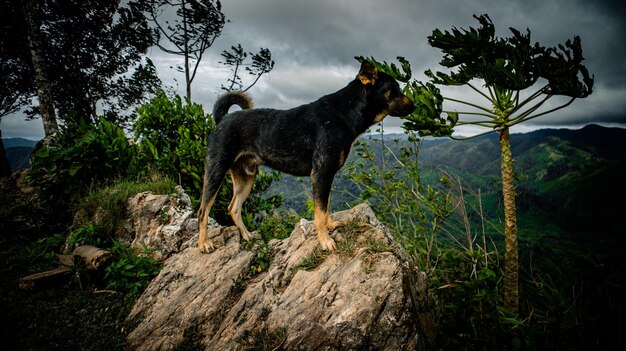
(18, 151)
(574, 178)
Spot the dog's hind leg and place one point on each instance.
(213, 176)
(242, 175)
(321, 195)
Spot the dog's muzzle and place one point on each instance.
(402, 107)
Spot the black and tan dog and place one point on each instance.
(309, 140)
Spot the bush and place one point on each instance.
(437, 226)
(81, 156)
(431, 224)
(130, 272)
(172, 137)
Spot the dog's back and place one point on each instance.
(226, 101)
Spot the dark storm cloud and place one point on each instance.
(312, 39)
(314, 42)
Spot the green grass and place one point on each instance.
(105, 208)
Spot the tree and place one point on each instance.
(35, 41)
(261, 63)
(194, 29)
(198, 23)
(96, 51)
(86, 57)
(507, 68)
(15, 62)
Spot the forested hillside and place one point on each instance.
(571, 173)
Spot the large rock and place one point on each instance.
(165, 223)
(360, 297)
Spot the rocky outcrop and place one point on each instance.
(360, 297)
(165, 223)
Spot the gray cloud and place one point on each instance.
(314, 42)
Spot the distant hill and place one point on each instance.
(572, 178)
(18, 142)
(18, 151)
(575, 176)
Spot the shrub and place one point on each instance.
(80, 156)
(172, 137)
(130, 272)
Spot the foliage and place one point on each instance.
(130, 272)
(390, 68)
(94, 54)
(262, 258)
(277, 225)
(314, 259)
(81, 156)
(506, 66)
(15, 68)
(442, 227)
(87, 234)
(511, 63)
(172, 137)
(411, 210)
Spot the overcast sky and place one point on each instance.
(314, 43)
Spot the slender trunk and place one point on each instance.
(44, 92)
(186, 39)
(511, 270)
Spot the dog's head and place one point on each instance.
(384, 94)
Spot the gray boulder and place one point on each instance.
(364, 296)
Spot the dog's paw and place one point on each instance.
(205, 246)
(328, 244)
(246, 235)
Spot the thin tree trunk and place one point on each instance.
(186, 37)
(44, 94)
(511, 270)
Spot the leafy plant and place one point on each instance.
(277, 225)
(87, 234)
(507, 66)
(262, 258)
(392, 184)
(130, 272)
(314, 259)
(81, 156)
(172, 136)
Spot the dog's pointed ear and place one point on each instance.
(368, 73)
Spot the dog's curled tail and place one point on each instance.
(224, 102)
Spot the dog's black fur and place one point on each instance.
(309, 140)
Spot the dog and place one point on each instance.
(309, 140)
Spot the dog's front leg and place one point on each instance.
(321, 192)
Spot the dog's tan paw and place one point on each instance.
(245, 235)
(328, 244)
(205, 246)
